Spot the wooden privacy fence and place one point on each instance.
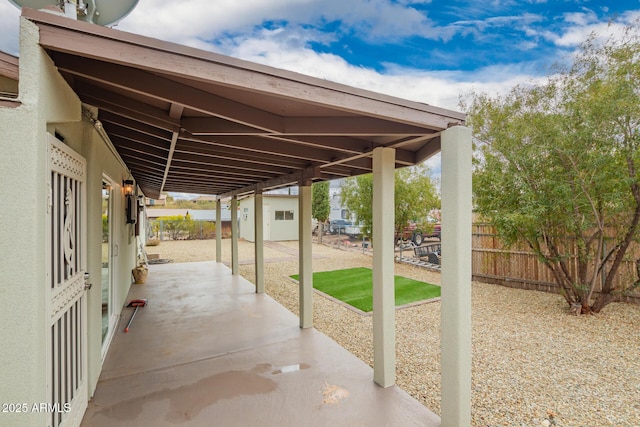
(518, 267)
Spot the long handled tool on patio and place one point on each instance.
(137, 303)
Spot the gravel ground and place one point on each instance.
(530, 357)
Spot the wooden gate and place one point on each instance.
(66, 301)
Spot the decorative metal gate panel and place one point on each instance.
(66, 247)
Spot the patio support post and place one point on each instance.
(455, 356)
(305, 248)
(218, 230)
(234, 235)
(384, 334)
(259, 242)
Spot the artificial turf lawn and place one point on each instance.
(355, 287)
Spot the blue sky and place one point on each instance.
(430, 51)
(425, 50)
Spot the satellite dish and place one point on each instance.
(101, 12)
(110, 12)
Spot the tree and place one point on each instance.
(176, 226)
(415, 196)
(321, 207)
(559, 168)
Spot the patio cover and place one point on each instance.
(186, 120)
(8, 79)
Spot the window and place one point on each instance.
(284, 215)
(345, 214)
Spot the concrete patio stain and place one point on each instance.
(187, 401)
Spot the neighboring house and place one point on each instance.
(98, 108)
(280, 218)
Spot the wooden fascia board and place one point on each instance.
(9, 66)
(8, 103)
(171, 59)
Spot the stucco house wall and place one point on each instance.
(274, 229)
(48, 105)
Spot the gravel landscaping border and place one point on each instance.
(532, 361)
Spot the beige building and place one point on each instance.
(90, 110)
(280, 217)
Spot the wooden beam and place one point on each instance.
(279, 182)
(218, 126)
(121, 105)
(223, 172)
(251, 144)
(175, 112)
(349, 126)
(307, 126)
(253, 158)
(136, 81)
(110, 119)
(429, 149)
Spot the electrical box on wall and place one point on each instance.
(131, 208)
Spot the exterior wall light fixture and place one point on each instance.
(131, 205)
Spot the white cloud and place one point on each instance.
(584, 24)
(368, 19)
(439, 88)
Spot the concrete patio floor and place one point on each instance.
(208, 351)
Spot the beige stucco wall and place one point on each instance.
(247, 217)
(279, 230)
(48, 105)
(101, 163)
